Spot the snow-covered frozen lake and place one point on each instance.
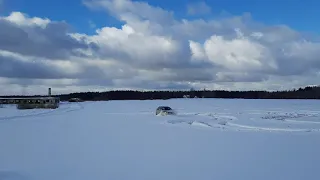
(221, 139)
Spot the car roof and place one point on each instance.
(164, 107)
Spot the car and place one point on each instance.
(165, 110)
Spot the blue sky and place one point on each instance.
(298, 14)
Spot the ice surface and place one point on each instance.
(221, 139)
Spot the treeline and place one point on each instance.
(301, 93)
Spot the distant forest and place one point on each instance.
(301, 93)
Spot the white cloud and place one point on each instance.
(238, 54)
(23, 20)
(153, 50)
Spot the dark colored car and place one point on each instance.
(165, 110)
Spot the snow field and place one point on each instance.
(208, 139)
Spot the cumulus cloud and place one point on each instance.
(153, 50)
(37, 37)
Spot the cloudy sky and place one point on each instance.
(97, 45)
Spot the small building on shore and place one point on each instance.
(39, 103)
(42, 102)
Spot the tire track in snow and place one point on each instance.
(302, 122)
(247, 127)
(227, 122)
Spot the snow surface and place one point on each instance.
(221, 139)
